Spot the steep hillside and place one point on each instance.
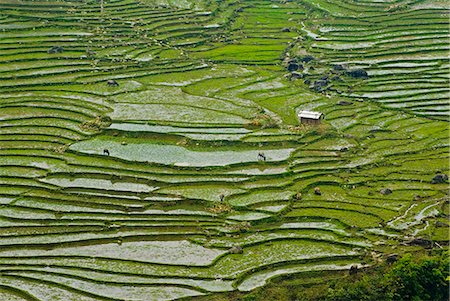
(130, 140)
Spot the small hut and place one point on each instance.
(308, 117)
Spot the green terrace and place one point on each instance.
(152, 150)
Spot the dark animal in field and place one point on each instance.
(112, 83)
(262, 157)
(286, 29)
(222, 197)
(55, 49)
(353, 270)
(106, 152)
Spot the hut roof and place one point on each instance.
(310, 114)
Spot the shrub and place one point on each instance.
(96, 124)
(263, 120)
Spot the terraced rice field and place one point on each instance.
(181, 206)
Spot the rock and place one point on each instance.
(344, 103)
(392, 258)
(298, 196)
(292, 67)
(358, 73)
(112, 83)
(320, 84)
(353, 270)
(338, 68)
(317, 191)
(385, 191)
(307, 82)
(379, 130)
(417, 198)
(344, 149)
(420, 241)
(296, 75)
(286, 29)
(307, 58)
(441, 224)
(439, 178)
(336, 78)
(55, 49)
(236, 250)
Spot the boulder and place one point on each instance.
(392, 258)
(353, 270)
(338, 68)
(358, 73)
(385, 191)
(307, 59)
(236, 250)
(439, 178)
(55, 49)
(297, 196)
(292, 66)
(420, 241)
(336, 78)
(317, 191)
(344, 103)
(112, 83)
(319, 85)
(441, 224)
(296, 75)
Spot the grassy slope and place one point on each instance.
(202, 90)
